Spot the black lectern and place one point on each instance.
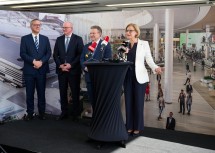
(107, 79)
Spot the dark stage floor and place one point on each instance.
(51, 136)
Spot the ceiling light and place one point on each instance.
(9, 2)
(52, 4)
(158, 2)
(183, 1)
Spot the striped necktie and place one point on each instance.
(36, 43)
(67, 43)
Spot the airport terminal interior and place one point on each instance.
(193, 41)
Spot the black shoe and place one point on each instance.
(62, 117)
(136, 134)
(130, 133)
(28, 117)
(122, 144)
(179, 112)
(41, 117)
(100, 145)
(75, 118)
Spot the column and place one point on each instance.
(168, 73)
(153, 43)
(156, 39)
(207, 28)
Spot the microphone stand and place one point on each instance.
(102, 54)
(120, 54)
(91, 59)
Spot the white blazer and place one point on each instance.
(143, 53)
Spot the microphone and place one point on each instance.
(91, 49)
(123, 48)
(104, 43)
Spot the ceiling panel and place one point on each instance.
(99, 5)
(183, 15)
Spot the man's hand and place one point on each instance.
(37, 64)
(65, 67)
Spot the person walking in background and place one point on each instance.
(35, 51)
(188, 77)
(189, 103)
(187, 68)
(189, 88)
(170, 122)
(148, 92)
(95, 36)
(160, 91)
(181, 99)
(203, 64)
(213, 66)
(159, 78)
(182, 57)
(194, 66)
(179, 58)
(136, 79)
(67, 52)
(161, 105)
(185, 58)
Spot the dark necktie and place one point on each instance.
(36, 43)
(67, 43)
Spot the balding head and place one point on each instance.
(67, 28)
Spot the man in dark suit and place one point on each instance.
(67, 52)
(95, 36)
(35, 51)
(170, 122)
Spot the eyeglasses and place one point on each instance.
(130, 31)
(37, 25)
(66, 27)
(93, 33)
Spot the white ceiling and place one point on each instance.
(95, 5)
(185, 13)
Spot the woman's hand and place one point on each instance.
(159, 70)
(127, 50)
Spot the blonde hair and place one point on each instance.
(136, 29)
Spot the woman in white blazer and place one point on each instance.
(136, 79)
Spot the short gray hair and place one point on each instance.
(33, 21)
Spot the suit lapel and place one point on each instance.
(40, 43)
(63, 43)
(31, 42)
(140, 50)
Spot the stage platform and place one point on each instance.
(51, 136)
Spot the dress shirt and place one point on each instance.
(33, 35)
